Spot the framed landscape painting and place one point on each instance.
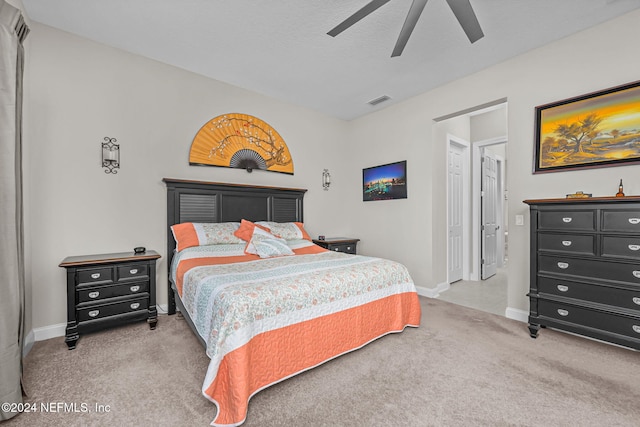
(385, 182)
(594, 130)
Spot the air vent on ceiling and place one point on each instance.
(379, 100)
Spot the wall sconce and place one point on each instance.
(110, 155)
(326, 179)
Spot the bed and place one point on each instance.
(265, 302)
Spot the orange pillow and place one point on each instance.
(245, 231)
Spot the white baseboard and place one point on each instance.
(433, 292)
(516, 314)
(28, 343)
(58, 330)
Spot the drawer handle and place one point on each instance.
(634, 221)
(636, 300)
(636, 273)
(567, 219)
(95, 276)
(336, 249)
(563, 288)
(94, 294)
(636, 328)
(133, 271)
(135, 288)
(634, 247)
(563, 312)
(567, 242)
(135, 305)
(565, 265)
(348, 248)
(94, 313)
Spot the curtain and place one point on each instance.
(13, 31)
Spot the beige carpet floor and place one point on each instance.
(462, 367)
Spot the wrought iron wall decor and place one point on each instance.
(326, 179)
(110, 155)
(240, 141)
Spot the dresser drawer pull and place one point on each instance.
(636, 300)
(563, 312)
(133, 271)
(348, 248)
(564, 265)
(634, 247)
(135, 305)
(567, 219)
(95, 276)
(95, 294)
(634, 221)
(567, 242)
(636, 273)
(135, 288)
(94, 313)
(636, 328)
(336, 249)
(563, 288)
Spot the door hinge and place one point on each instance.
(482, 261)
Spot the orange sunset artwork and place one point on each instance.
(591, 131)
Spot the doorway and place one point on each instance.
(484, 236)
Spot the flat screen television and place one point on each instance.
(385, 182)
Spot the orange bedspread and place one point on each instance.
(265, 320)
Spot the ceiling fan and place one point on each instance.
(461, 9)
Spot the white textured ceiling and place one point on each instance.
(280, 47)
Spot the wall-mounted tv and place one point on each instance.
(385, 182)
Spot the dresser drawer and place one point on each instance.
(126, 272)
(618, 246)
(98, 311)
(623, 298)
(570, 243)
(103, 292)
(619, 220)
(610, 322)
(95, 275)
(590, 268)
(567, 220)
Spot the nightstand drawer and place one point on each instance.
(615, 297)
(612, 322)
(103, 292)
(567, 220)
(569, 243)
(99, 311)
(346, 248)
(132, 271)
(95, 275)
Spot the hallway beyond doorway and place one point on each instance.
(486, 295)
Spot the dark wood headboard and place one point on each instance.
(199, 201)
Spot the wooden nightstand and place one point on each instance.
(338, 244)
(108, 290)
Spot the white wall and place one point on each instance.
(569, 67)
(81, 92)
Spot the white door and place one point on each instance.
(456, 229)
(489, 203)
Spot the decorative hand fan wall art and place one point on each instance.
(240, 141)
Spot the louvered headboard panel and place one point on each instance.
(198, 201)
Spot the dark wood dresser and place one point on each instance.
(339, 244)
(108, 290)
(585, 267)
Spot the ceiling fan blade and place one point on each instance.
(369, 8)
(409, 24)
(467, 19)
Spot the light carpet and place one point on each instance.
(462, 367)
